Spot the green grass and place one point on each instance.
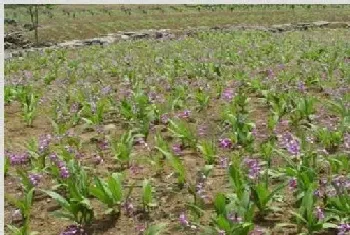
(95, 20)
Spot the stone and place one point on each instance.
(125, 37)
(129, 33)
(282, 27)
(337, 25)
(320, 23)
(140, 36)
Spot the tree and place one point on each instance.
(33, 11)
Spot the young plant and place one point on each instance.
(208, 150)
(94, 111)
(329, 139)
(313, 220)
(75, 206)
(181, 129)
(109, 193)
(147, 195)
(25, 206)
(29, 108)
(123, 147)
(202, 100)
(262, 196)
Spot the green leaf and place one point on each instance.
(220, 204)
(61, 200)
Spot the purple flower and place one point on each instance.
(140, 228)
(301, 86)
(34, 179)
(253, 168)
(17, 215)
(289, 142)
(226, 143)
(319, 213)
(74, 230)
(183, 220)
(129, 207)
(292, 183)
(64, 173)
(228, 94)
(106, 90)
(135, 169)
(103, 145)
(185, 114)
(177, 149)
(202, 130)
(53, 157)
(257, 231)
(293, 147)
(164, 118)
(343, 229)
(44, 142)
(223, 162)
(18, 159)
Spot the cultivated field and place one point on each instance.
(71, 22)
(231, 133)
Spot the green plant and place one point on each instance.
(122, 148)
(147, 195)
(208, 149)
(109, 193)
(182, 130)
(29, 108)
(24, 205)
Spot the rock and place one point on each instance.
(129, 33)
(125, 37)
(303, 26)
(282, 27)
(140, 36)
(337, 25)
(320, 23)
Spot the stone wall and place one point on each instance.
(164, 34)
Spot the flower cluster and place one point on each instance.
(343, 229)
(177, 148)
(289, 142)
(319, 213)
(128, 207)
(18, 159)
(35, 179)
(253, 167)
(164, 118)
(64, 173)
(228, 94)
(44, 142)
(225, 143)
(74, 230)
(185, 114)
(223, 162)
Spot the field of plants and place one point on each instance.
(71, 22)
(218, 133)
